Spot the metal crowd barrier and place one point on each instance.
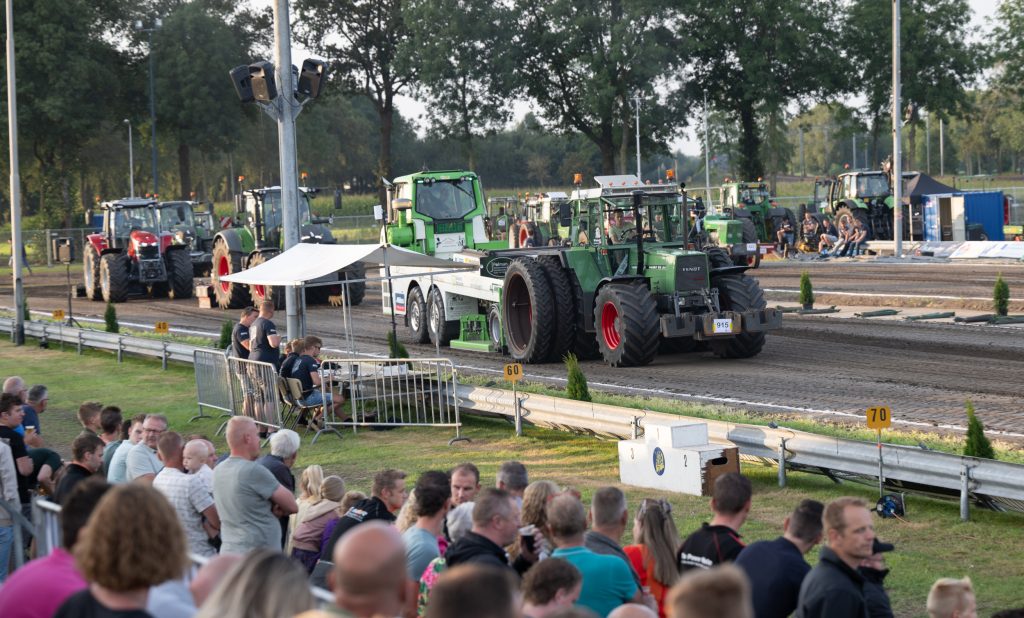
(392, 393)
(254, 392)
(213, 383)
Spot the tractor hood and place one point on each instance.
(676, 269)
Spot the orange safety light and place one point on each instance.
(241, 179)
(670, 175)
(192, 194)
(759, 179)
(304, 175)
(577, 179)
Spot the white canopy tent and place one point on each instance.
(309, 265)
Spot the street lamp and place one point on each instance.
(707, 152)
(131, 161)
(139, 27)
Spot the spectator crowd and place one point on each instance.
(154, 523)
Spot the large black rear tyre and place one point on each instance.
(564, 305)
(626, 320)
(528, 312)
(260, 293)
(179, 273)
(91, 274)
(227, 262)
(851, 215)
(114, 277)
(356, 289)
(739, 293)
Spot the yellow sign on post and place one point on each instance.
(879, 417)
(58, 314)
(513, 372)
(161, 328)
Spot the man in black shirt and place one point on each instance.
(307, 370)
(264, 342)
(87, 458)
(240, 333)
(386, 497)
(720, 540)
(10, 418)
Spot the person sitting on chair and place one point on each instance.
(785, 237)
(307, 371)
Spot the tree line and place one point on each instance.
(791, 87)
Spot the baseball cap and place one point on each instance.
(879, 547)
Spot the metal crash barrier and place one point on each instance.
(254, 393)
(392, 393)
(213, 383)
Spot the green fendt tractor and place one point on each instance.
(190, 224)
(751, 205)
(623, 301)
(858, 196)
(259, 238)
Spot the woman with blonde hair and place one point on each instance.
(266, 584)
(654, 555)
(535, 497)
(406, 517)
(132, 541)
(309, 494)
(306, 538)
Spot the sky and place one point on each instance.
(688, 144)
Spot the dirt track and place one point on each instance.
(818, 366)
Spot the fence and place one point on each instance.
(213, 382)
(254, 392)
(393, 392)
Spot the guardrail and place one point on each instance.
(995, 484)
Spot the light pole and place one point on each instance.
(131, 161)
(139, 27)
(707, 153)
(636, 100)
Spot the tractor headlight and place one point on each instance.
(179, 237)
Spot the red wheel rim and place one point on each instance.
(523, 235)
(223, 270)
(261, 292)
(609, 313)
(751, 260)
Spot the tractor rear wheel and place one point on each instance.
(441, 331)
(179, 273)
(259, 292)
(114, 277)
(626, 320)
(91, 271)
(565, 308)
(739, 293)
(227, 262)
(528, 311)
(718, 258)
(852, 215)
(416, 315)
(494, 327)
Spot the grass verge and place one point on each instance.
(932, 543)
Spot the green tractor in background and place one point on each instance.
(190, 224)
(258, 238)
(864, 197)
(750, 204)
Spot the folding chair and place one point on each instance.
(295, 387)
(289, 417)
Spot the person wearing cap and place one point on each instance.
(874, 571)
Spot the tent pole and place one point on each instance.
(391, 290)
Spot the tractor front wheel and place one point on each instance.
(416, 315)
(179, 273)
(114, 277)
(739, 293)
(441, 331)
(227, 262)
(626, 320)
(91, 272)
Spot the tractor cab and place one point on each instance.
(190, 229)
(130, 224)
(437, 213)
(261, 211)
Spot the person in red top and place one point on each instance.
(653, 557)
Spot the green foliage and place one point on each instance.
(395, 347)
(978, 444)
(110, 317)
(225, 334)
(576, 388)
(1000, 296)
(806, 290)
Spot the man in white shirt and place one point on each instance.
(189, 494)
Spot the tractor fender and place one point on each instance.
(232, 239)
(98, 242)
(166, 240)
(619, 279)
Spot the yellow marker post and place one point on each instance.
(161, 328)
(879, 418)
(58, 315)
(514, 373)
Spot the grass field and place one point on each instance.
(932, 542)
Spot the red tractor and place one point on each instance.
(131, 256)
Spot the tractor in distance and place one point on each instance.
(750, 204)
(130, 255)
(623, 301)
(258, 237)
(864, 196)
(190, 224)
(541, 217)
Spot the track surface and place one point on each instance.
(814, 366)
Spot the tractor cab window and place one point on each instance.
(271, 212)
(872, 185)
(128, 219)
(445, 199)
